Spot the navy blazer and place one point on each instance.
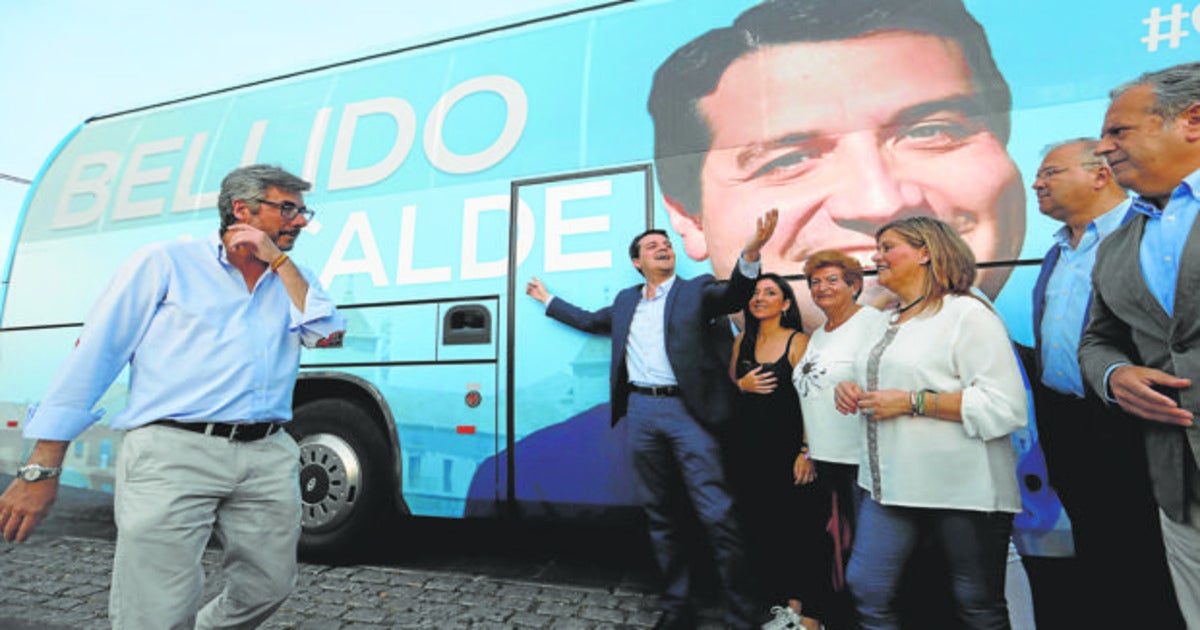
(694, 315)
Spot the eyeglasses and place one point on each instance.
(289, 210)
(1051, 171)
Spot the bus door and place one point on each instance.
(572, 232)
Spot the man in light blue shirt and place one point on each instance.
(1141, 348)
(1088, 458)
(211, 330)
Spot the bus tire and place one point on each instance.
(344, 485)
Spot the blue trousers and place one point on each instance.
(678, 464)
(975, 545)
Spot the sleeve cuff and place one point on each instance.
(1107, 393)
(749, 269)
(58, 423)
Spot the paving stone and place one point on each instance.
(512, 603)
(446, 583)
(329, 610)
(642, 618)
(372, 576)
(525, 591)
(365, 615)
(530, 620)
(407, 619)
(556, 609)
(596, 613)
(442, 597)
(571, 624)
(553, 594)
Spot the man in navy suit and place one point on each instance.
(1103, 482)
(668, 381)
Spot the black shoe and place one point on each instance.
(676, 620)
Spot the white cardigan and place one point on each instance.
(922, 462)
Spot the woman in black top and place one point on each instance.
(782, 517)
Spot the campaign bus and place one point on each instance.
(448, 173)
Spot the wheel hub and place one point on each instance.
(330, 481)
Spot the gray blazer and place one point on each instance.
(1127, 325)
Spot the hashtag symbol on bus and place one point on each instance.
(1172, 36)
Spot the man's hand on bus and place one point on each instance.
(536, 290)
(23, 506)
(763, 229)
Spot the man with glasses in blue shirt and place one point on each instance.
(211, 330)
(1101, 480)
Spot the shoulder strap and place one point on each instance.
(788, 350)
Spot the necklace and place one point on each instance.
(898, 313)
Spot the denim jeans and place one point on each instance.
(975, 545)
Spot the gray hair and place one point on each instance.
(1086, 153)
(251, 182)
(1174, 89)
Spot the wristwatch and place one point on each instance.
(38, 472)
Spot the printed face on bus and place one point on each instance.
(843, 137)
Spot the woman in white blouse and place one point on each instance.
(940, 392)
(834, 441)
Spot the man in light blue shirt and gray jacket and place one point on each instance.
(211, 330)
(1141, 348)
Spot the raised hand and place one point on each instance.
(536, 290)
(764, 228)
(247, 239)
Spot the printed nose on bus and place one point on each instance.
(872, 193)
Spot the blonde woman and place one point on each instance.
(940, 392)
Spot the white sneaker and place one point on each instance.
(785, 619)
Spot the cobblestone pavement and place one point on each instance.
(61, 582)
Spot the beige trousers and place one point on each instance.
(174, 490)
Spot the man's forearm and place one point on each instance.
(293, 281)
(49, 452)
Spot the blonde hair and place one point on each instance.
(951, 268)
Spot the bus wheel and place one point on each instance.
(343, 475)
